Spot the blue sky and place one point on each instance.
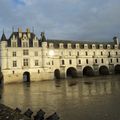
(63, 19)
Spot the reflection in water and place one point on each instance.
(72, 99)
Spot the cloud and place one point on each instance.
(63, 19)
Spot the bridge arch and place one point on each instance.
(71, 72)
(57, 74)
(26, 76)
(88, 71)
(103, 70)
(117, 69)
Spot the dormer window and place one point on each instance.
(61, 45)
(101, 46)
(50, 45)
(116, 46)
(14, 44)
(68, 45)
(93, 46)
(77, 46)
(36, 44)
(25, 44)
(108, 46)
(85, 46)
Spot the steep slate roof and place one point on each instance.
(81, 43)
(16, 34)
(55, 42)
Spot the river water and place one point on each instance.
(88, 98)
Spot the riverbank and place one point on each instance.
(7, 113)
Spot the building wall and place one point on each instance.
(50, 59)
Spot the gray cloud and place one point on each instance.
(63, 19)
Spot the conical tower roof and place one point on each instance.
(3, 38)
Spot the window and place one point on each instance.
(94, 53)
(108, 54)
(25, 62)
(61, 53)
(61, 45)
(111, 60)
(77, 45)
(25, 52)
(69, 53)
(14, 54)
(77, 53)
(117, 60)
(36, 62)
(101, 53)
(79, 61)
(36, 53)
(14, 44)
(63, 62)
(51, 45)
(35, 44)
(87, 61)
(25, 44)
(116, 53)
(95, 60)
(14, 63)
(70, 62)
(102, 61)
(52, 62)
(86, 53)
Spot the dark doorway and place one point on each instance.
(88, 71)
(57, 74)
(71, 72)
(26, 77)
(103, 70)
(117, 69)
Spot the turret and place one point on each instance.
(44, 50)
(3, 40)
(43, 38)
(116, 41)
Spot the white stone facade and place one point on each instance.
(45, 59)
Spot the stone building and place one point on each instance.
(25, 57)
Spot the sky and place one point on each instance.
(62, 19)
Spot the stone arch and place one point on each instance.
(117, 69)
(57, 74)
(88, 71)
(103, 70)
(71, 72)
(26, 76)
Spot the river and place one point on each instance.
(88, 98)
